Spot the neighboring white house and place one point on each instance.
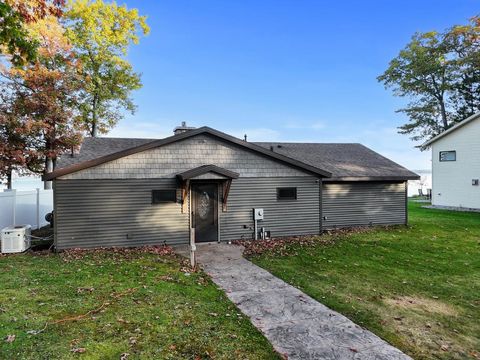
(456, 165)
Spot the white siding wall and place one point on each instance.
(452, 180)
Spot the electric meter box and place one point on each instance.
(257, 214)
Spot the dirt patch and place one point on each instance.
(423, 304)
(421, 323)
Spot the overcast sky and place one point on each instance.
(281, 70)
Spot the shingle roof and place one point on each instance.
(346, 162)
(93, 148)
(204, 169)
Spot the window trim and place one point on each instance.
(447, 151)
(287, 198)
(174, 191)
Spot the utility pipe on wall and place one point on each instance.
(193, 248)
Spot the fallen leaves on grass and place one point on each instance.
(78, 253)
(282, 246)
(10, 338)
(81, 290)
(186, 269)
(277, 246)
(166, 278)
(120, 320)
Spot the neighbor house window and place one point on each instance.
(287, 193)
(448, 155)
(164, 196)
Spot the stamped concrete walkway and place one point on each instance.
(296, 325)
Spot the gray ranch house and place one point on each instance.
(201, 184)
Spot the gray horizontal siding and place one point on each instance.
(363, 203)
(282, 218)
(92, 213)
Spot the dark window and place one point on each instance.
(287, 193)
(164, 196)
(448, 155)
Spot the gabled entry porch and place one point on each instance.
(204, 190)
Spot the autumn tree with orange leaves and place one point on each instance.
(68, 76)
(39, 102)
(16, 154)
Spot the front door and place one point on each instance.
(205, 211)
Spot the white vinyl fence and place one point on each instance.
(25, 207)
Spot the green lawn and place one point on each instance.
(418, 287)
(140, 304)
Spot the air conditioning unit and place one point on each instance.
(16, 239)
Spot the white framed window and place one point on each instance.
(450, 155)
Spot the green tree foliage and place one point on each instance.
(14, 15)
(101, 34)
(439, 73)
(464, 42)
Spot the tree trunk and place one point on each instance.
(9, 179)
(444, 114)
(94, 131)
(47, 185)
